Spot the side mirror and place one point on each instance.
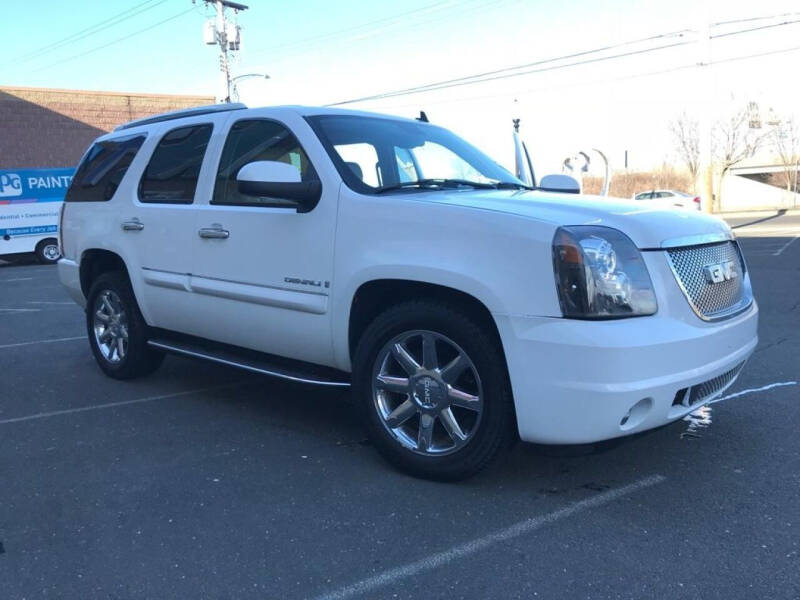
(273, 179)
(560, 183)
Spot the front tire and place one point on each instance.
(117, 331)
(431, 383)
(48, 252)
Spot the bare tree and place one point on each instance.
(786, 139)
(686, 132)
(733, 140)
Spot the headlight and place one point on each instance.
(600, 274)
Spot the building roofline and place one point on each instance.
(9, 88)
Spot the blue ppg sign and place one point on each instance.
(37, 185)
(30, 200)
(10, 185)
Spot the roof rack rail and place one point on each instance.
(179, 114)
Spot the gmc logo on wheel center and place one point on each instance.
(10, 185)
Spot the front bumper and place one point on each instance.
(586, 381)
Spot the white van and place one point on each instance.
(30, 202)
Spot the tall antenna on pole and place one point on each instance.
(226, 35)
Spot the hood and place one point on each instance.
(647, 227)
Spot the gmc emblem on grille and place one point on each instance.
(720, 272)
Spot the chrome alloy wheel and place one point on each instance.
(110, 324)
(427, 392)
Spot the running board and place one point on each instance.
(255, 362)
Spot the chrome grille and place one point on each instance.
(705, 390)
(710, 300)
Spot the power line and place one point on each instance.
(116, 41)
(757, 55)
(316, 39)
(395, 23)
(549, 60)
(337, 33)
(751, 19)
(759, 28)
(481, 78)
(553, 87)
(606, 80)
(89, 31)
(463, 10)
(471, 80)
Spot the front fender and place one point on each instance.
(502, 260)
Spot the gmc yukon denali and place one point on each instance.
(340, 248)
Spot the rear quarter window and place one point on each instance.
(102, 169)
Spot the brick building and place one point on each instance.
(41, 127)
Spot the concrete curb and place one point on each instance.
(757, 213)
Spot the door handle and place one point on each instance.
(132, 225)
(215, 232)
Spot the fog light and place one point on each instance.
(636, 414)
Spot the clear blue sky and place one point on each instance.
(319, 51)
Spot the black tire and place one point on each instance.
(47, 251)
(496, 430)
(140, 359)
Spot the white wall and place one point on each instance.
(741, 193)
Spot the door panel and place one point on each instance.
(163, 255)
(158, 228)
(266, 285)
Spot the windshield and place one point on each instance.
(374, 155)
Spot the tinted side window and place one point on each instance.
(102, 169)
(252, 140)
(171, 175)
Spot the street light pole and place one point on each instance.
(235, 90)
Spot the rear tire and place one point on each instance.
(48, 252)
(444, 413)
(117, 331)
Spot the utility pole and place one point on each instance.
(225, 34)
(705, 174)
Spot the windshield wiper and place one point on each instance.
(437, 184)
(510, 185)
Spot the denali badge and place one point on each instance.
(310, 282)
(720, 272)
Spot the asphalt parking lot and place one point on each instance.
(206, 482)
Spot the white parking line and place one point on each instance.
(17, 279)
(53, 341)
(462, 550)
(70, 411)
(785, 246)
(754, 390)
(19, 310)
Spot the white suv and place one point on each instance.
(343, 248)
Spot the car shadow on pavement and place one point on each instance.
(778, 214)
(18, 260)
(327, 422)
